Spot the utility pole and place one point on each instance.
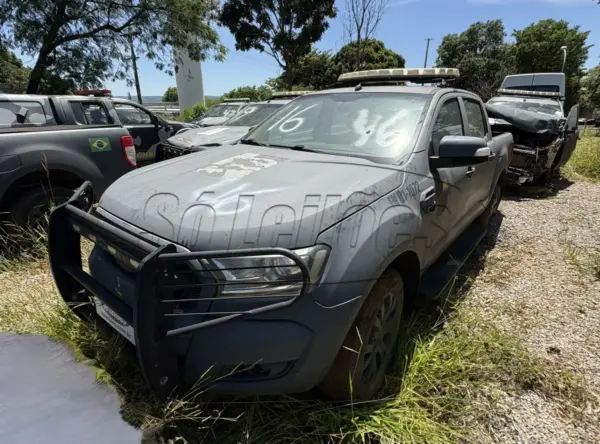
(136, 79)
(427, 52)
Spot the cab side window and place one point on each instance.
(132, 115)
(477, 125)
(447, 123)
(90, 113)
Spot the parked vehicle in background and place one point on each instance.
(540, 81)
(231, 131)
(147, 128)
(291, 255)
(221, 112)
(50, 145)
(544, 138)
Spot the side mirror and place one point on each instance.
(456, 151)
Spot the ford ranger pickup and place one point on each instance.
(284, 262)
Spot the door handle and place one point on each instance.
(470, 171)
(427, 200)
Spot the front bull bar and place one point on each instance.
(156, 292)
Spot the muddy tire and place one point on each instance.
(34, 205)
(370, 344)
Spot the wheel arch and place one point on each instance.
(53, 177)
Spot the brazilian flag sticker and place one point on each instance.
(99, 144)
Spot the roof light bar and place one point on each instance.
(524, 92)
(238, 99)
(93, 92)
(289, 93)
(402, 74)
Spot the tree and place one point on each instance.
(590, 89)
(315, 71)
(538, 49)
(13, 75)
(361, 20)
(170, 95)
(86, 40)
(374, 56)
(481, 55)
(252, 92)
(284, 29)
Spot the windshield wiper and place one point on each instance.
(299, 148)
(253, 142)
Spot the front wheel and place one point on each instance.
(359, 368)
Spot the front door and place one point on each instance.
(142, 127)
(571, 135)
(482, 174)
(453, 186)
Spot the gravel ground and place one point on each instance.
(539, 282)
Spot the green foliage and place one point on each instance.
(13, 75)
(481, 55)
(257, 93)
(87, 42)
(193, 113)
(170, 95)
(538, 49)
(284, 30)
(590, 89)
(584, 163)
(319, 70)
(374, 55)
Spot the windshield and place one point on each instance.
(222, 111)
(253, 114)
(362, 124)
(549, 108)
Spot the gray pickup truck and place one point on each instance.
(50, 145)
(284, 262)
(194, 140)
(221, 112)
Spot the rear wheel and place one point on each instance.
(359, 369)
(35, 204)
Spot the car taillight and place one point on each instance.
(511, 148)
(128, 148)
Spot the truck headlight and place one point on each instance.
(268, 275)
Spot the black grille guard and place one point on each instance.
(155, 291)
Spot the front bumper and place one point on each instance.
(182, 329)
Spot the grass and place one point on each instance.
(584, 164)
(452, 368)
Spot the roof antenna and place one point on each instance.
(358, 87)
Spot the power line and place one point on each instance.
(427, 52)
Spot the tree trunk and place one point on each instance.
(358, 43)
(289, 76)
(37, 74)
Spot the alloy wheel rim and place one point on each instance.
(377, 345)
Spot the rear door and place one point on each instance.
(482, 175)
(142, 126)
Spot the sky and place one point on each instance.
(404, 28)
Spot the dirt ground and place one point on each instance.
(541, 282)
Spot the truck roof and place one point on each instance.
(410, 89)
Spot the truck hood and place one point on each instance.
(242, 196)
(211, 121)
(214, 134)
